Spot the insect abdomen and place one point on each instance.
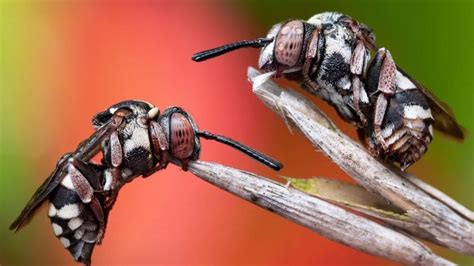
(73, 222)
(406, 128)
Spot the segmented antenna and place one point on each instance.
(262, 158)
(208, 54)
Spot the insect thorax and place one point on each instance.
(136, 147)
(330, 70)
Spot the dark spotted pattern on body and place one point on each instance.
(406, 129)
(73, 222)
(407, 123)
(335, 68)
(137, 159)
(334, 57)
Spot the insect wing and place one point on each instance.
(85, 151)
(444, 118)
(53, 180)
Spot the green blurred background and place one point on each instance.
(62, 61)
(434, 41)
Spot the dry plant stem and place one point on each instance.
(434, 216)
(358, 199)
(441, 196)
(327, 219)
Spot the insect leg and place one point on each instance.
(116, 150)
(359, 60)
(82, 177)
(387, 77)
(85, 151)
(81, 185)
(362, 31)
(311, 54)
(86, 170)
(116, 155)
(356, 91)
(78, 171)
(160, 147)
(380, 110)
(382, 73)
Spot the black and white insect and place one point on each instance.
(329, 56)
(135, 140)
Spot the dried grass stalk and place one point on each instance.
(445, 220)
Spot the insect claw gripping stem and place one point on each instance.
(211, 53)
(262, 158)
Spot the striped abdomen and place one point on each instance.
(73, 222)
(407, 128)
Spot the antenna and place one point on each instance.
(211, 53)
(262, 158)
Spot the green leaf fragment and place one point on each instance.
(349, 195)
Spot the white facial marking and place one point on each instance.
(416, 112)
(65, 242)
(112, 110)
(52, 210)
(67, 182)
(430, 129)
(74, 223)
(68, 211)
(57, 229)
(266, 55)
(403, 82)
(153, 112)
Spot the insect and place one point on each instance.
(329, 55)
(135, 140)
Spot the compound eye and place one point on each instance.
(289, 43)
(181, 137)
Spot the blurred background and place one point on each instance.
(63, 61)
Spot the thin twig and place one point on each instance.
(442, 219)
(329, 220)
(436, 193)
